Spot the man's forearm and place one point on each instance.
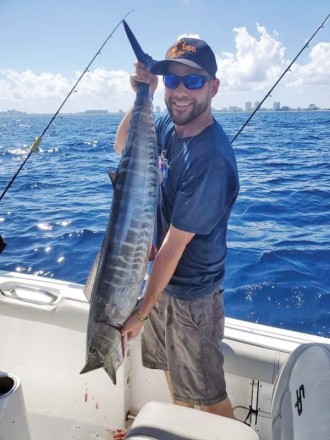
(161, 274)
(122, 132)
(164, 266)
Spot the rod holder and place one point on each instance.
(13, 419)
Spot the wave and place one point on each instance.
(55, 214)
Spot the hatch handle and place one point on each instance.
(31, 295)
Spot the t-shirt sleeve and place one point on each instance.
(205, 196)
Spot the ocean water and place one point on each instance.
(278, 264)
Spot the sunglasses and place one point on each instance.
(191, 82)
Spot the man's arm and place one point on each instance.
(164, 266)
(140, 75)
(122, 131)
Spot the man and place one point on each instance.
(183, 297)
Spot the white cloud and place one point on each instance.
(99, 88)
(316, 72)
(256, 62)
(101, 82)
(29, 91)
(246, 74)
(28, 85)
(188, 36)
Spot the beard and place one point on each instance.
(186, 117)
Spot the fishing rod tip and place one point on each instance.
(123, 20)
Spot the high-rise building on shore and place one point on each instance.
(248, 106)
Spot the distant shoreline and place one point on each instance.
(107, 113)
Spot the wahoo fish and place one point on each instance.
(115, 280)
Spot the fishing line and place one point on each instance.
(286, 70)
(38, 139)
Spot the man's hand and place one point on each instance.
(142, 75)
(132, 327)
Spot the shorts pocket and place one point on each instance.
(192, 314)
(184, 316)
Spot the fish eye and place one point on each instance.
(92, 351)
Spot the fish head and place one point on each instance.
(104, 349)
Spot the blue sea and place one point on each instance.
(278, 266)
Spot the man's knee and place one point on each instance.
(223, 408)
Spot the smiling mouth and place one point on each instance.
(181, 104)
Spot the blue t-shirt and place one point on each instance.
(198, 189)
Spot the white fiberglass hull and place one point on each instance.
(43, 325)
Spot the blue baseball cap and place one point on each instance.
(189, 51)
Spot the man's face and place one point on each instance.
(186, 105)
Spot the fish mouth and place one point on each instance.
(105, 350)
(107, 363)
(94, 361)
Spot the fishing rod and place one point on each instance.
(38, 139)
(270, 91)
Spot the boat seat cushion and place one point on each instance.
(166, 421)
(301, 398)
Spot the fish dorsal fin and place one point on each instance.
(113, 177)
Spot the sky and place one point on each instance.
(47, 44)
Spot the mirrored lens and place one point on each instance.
(172, 81)
(194, 81)
(191, 82)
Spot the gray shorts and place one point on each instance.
(182, 337)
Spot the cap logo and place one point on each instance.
(179, 49)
